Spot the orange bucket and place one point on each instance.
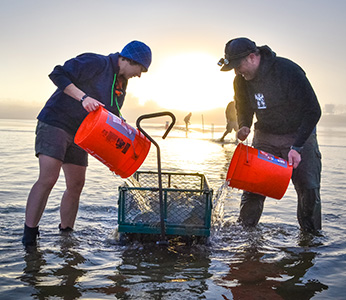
(259, 172)
(112, 141)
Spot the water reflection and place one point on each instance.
(258, 272)
(34, 260)
(61, 282)
(149, 271)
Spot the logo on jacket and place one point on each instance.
(261, 104)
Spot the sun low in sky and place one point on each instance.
(186, 81)
(187, 39)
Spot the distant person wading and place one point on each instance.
(231, 118)
(187, 121)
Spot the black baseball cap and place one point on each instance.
(235, 51)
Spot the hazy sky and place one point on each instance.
(187, 39)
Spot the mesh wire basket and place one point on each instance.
(187, 204)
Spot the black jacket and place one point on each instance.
(280, 96)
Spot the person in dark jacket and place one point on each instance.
(84, 83)
(277, 91)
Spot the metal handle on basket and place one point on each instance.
(155, 115)
(149, 116)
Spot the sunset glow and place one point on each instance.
(187, 39)
(189, 81)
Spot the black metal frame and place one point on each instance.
(149, 116)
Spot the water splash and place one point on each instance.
(217, 218)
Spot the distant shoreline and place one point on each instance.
(215, 116)
(333, 120)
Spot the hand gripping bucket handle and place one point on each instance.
(112, 141)
(258, 172)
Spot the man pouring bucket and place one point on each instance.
(277, 91)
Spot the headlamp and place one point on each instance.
(223, 61)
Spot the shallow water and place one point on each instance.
(273, 261)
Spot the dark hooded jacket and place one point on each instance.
(280, 96)
(94, 75)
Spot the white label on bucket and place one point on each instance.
(121, 126)
(271, 158)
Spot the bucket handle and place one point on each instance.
(149, 116)
(247, 150)
(247, 153)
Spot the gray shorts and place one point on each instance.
(57, 143)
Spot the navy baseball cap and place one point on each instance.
(235, 51)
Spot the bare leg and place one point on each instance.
(75, 178)
(224, 135)
(38, 196)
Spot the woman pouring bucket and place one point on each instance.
(84, 84)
